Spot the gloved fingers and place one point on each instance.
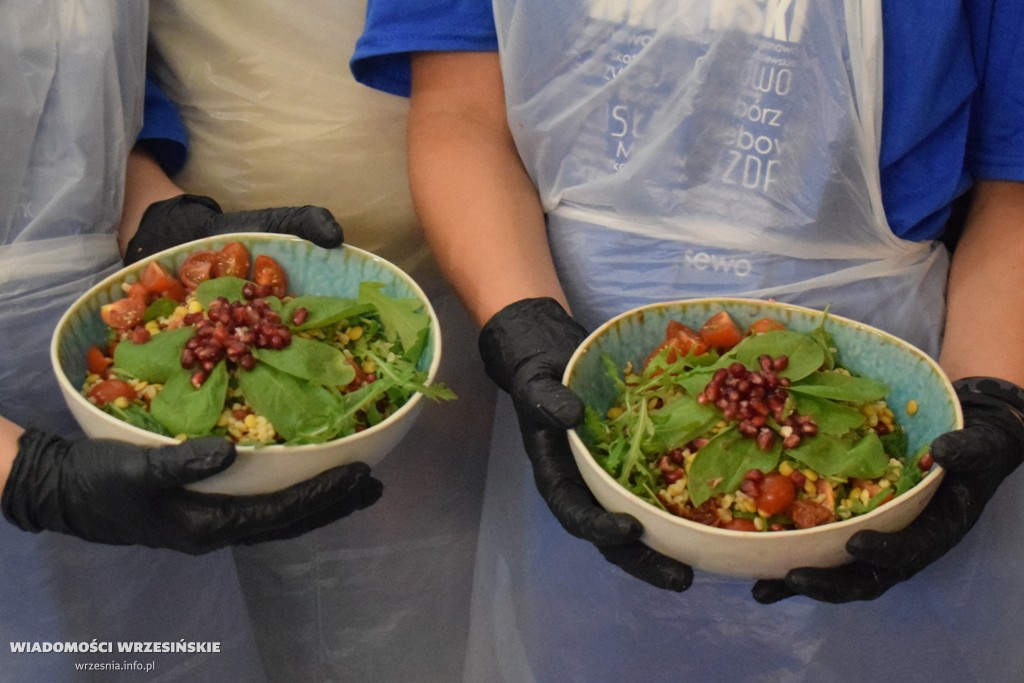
(546, 402)
(971, 449)
(216, 520)
(850, 582)
(939, 527)
(639, 561)
(169, 467)
(313, 223)
(170, 222)
(566, 494)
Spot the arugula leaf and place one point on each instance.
(227, 286)
(183, 409)
(402, 319)
(841, 387)
(155, 360)
(311, 360)
(720, 465)
(298, 409)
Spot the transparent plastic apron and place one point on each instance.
(71, 91)
(274, 117)
(695, 148)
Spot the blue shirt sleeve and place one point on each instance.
(396, 28)
(163, 132)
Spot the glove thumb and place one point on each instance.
(170, 467)
(549, 403)
(970, 449)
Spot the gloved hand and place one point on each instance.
(189, 217)
(977, 459)
(525, 348)
(122, 494)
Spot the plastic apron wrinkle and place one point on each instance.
(71, 93)
(274, 117)
(637, 121)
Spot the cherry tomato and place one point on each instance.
(762, 325)
(679, 338)
(109, 390)
(740, 524)
(159, 283)
(807, 514)
(268, 272)
(720, 332)
(197, 268)
(360, 379)
(124, 313)
(776, 494)
(138, 291)
(95, 361)
(232, 259)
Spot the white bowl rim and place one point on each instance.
(921, 487)
(153, 437)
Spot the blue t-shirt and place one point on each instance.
(953, 102)
(163, 132)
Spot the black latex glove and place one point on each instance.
(977, 459)
(189, 217)
(525, 348)
(121, 494)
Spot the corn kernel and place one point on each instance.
(614, 412)
(884, 484)
(785, 469)
(369, 367)
(354, 333)
(810, 488)
(911, 407)
(181, 437)
(759, 523)
(855, 493)
(194, 306)
(810, 474)
(153, 327)
(251, 421)
(122, 402)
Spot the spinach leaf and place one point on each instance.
(678, 422)
(308, 359)
(841, 387)
(831, 417)
(138, 416)
(834, 457)
(805, 355)
(720, 465)
(227, 286)
(298, 409)
(161, 308)
(323, 311)
(402, 319)
(183, 409)
(157, 359)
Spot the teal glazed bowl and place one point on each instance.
(310, 270)
(910, 374)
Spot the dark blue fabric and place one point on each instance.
(953, 108)
(163, 132)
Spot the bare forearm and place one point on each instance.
(478, 207)
(145, 183)
(985, 319)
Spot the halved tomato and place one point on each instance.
(762, 325)
(232, 259)
(721, 332)
(161, 283)
(124, 313)
(679, 339)
(197, 268)
(269, 273)
(109, 390)
(95, 361)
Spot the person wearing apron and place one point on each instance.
(685, 149)
(73, 83)
(274, 117)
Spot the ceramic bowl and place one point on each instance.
(310, 270)
(866, 351)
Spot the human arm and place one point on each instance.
(986, 285)
(483, 219)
